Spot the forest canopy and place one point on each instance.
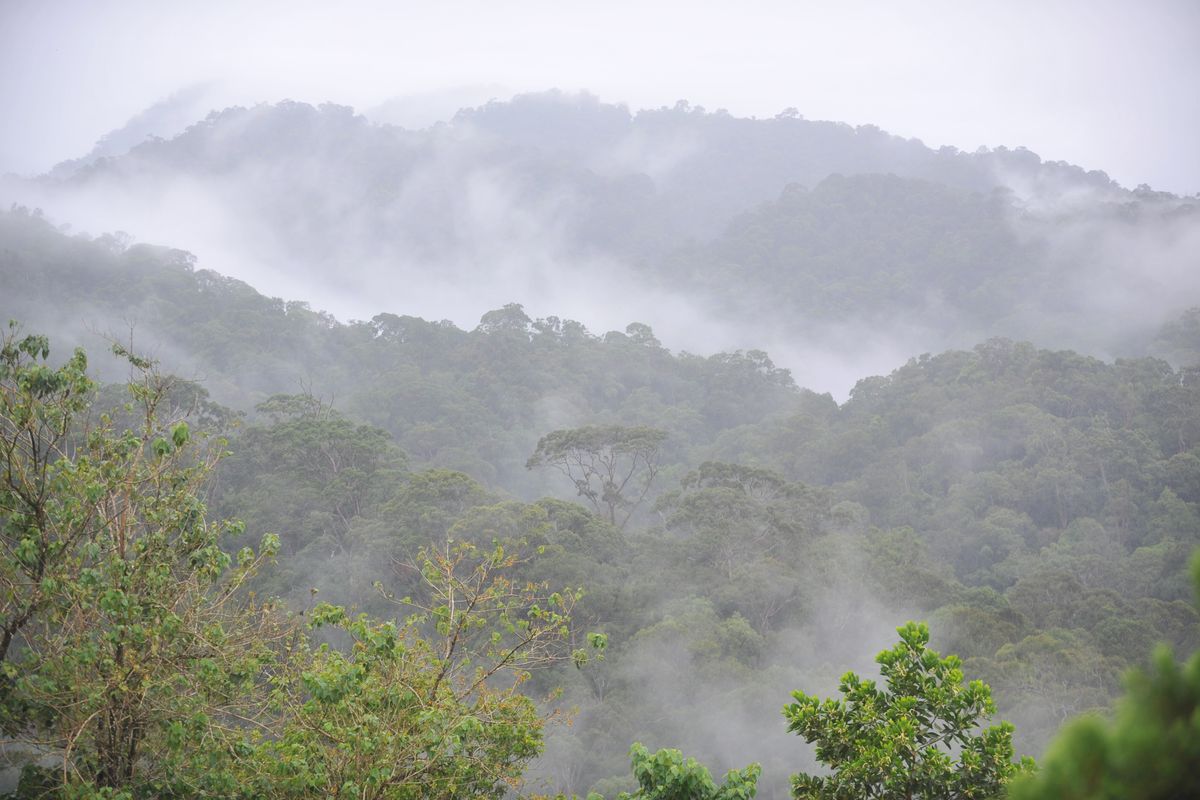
(256, 549)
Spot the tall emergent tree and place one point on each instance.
(611, 466)
(919, 738)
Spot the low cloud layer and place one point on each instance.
(356, 218)
(1103, 84)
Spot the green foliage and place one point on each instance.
(1150, 749)
(611, 466)
(38, 407)
(740, 530)
(140, 663)
(430, 707)
(916, 738)
(311, 474)
(1038, 505)
(1179, 339)
(134, 649)
(666, 775)
(867, 245)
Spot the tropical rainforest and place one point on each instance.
(252, 548)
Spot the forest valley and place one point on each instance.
(253, 551)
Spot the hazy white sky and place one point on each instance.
(1107, 85)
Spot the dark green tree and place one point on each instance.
(1150, 750)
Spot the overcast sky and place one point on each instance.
(1106, 85)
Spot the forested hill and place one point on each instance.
(838, 249)
(946, 267)
(1021, 487)
(1037, 506)
(473, 400)
(707, 166)
(693, 168)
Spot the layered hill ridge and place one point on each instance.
(840, 250)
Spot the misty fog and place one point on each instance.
(570, 206)
(905, 266)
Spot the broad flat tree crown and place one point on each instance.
(611, 466)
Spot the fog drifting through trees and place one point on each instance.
(728, 398)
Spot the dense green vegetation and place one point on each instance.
(395, 558)
(1037, 507)
(137, 663)
(936, 265)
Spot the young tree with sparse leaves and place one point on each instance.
(139, 664)
(427, 708)
(132, 656)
